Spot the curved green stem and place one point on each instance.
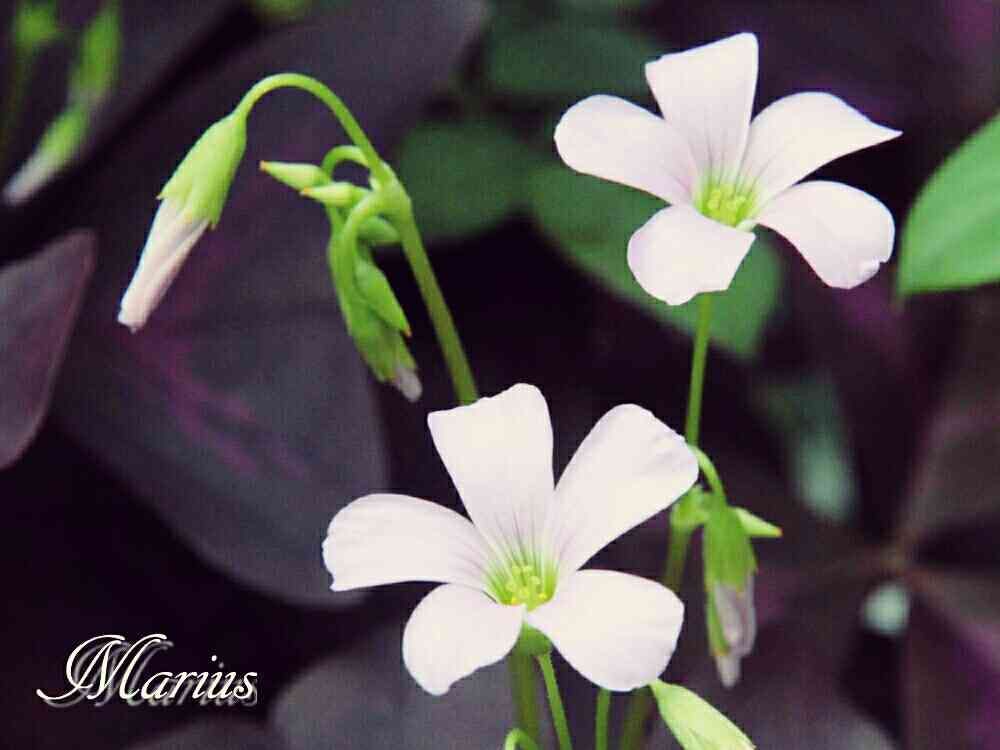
(331, 100)
(338, 154)
(517, 737)
(555, 702)
(601, 719)
(430, 290)
(709, 472)
(641, 701)
(522, 682)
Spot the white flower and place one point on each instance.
(724, 174)
(518, 562)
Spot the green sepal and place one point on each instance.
(201, 182)
(728, 554)
(297, 176)
(35, 25)
(691, 510)
(757, 527)
(96, 66)
(378, 232)
(532, 642)
(716, 639)
(694, 722)
(375, 289)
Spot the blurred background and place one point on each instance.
(181, 480)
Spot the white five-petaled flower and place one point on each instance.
(518, 562)
(723, 174)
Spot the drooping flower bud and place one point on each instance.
(192, 201)
(694, 722)
(730, 567)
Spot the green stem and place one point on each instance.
(517, 737)
(555, 702)
(331, 100)
(522, 682)
(641, 702)
(693, 421)
(444, 324)
(601, 719)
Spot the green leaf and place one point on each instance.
(567, 60)
(463, 178)
(591, 221)
(949, 240)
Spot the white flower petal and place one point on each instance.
(798, 134)
(615, 140)
(842, 232)
(630, 467)
(679, 253)
(737, 616)
(617, 630)
(453, 632)
(390, 538)
(707, 93)
(170, 240)
(498, 452)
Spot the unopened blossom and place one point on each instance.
(516, 566)
(738, 623)
(192, 201)
(723, 174)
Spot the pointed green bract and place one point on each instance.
(201, 182)
(694, 722)
(755, 526)
(296, 176)
(729, 556)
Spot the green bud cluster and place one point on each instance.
(372, 313)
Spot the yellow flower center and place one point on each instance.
(725, 202)
(524, 580)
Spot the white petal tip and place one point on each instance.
(408, 383)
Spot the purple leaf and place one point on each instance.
(243, 412)
(952, 681)
(39, 302)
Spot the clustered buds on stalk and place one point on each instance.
(373, 316)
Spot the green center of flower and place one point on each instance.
(726, 203)
(523, 579)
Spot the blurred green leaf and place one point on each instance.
(592, 221)
(949, 240)
(807, 413)
(463, 178)
(567, 60)
(603, 5)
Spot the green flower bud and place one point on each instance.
(296, 176)
(730, 566)
(694, 722)
(200, 184)
(58, 145)
(374, 288)
(35, 25)
(96, 66)
(336, 194)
